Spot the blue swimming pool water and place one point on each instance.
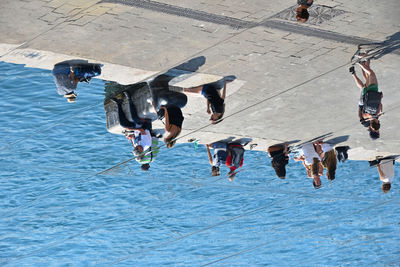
(55, 210)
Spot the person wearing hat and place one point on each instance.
(149, 155)
(67, 75)
(66, 81)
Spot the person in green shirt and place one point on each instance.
(149, 155)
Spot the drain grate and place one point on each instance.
(318, 14)
(185, 12)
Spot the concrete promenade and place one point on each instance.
(292, 79)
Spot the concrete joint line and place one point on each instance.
(271, 22)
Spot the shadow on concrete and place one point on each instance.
(336, 140)
(378, 50)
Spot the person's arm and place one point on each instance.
(208, 107)
(167, 125)
(73, 78)
(360, 116)
(153, 105)
(285, 149)
(358, 82)
(379, 108)
(224, 92)
(301, 158)
(209, 155)
(381, 174)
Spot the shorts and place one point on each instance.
(372, 87)
(205, 89)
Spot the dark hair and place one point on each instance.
(219, 117)
(315, 167)
(375, 125)
(145, 167)
(302, 14)
(214, 171)
(280, 169)
(316, 186)
(331, 174)
(386, 187)
(330, 162)
(374, 135)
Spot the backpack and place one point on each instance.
(372, 100)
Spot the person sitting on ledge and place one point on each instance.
(386, 171)
(215, 99)
(173, 123)
(311, 161)
(67, 76)
(302, 14)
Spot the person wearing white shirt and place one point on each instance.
(386, 173)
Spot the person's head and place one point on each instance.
(215, 171)
(373, 134)
(375, 125)
(280, 170)
(386, 187)
(145, 167)
(317, 182)
(138, 152)
(71, 97)
(330, 161)
(215, 117)
(302, 14)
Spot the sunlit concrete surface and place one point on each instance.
(292, 80)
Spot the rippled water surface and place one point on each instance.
(56, 210)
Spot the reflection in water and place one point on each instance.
(302, 14)
(229, 152)
(370, 106)
(68, 73)
(215, 99)
(385, 166)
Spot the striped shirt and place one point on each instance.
(150, 156)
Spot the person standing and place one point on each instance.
(311, 162)
(234, 159)
(370, 104)
(219, 156)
